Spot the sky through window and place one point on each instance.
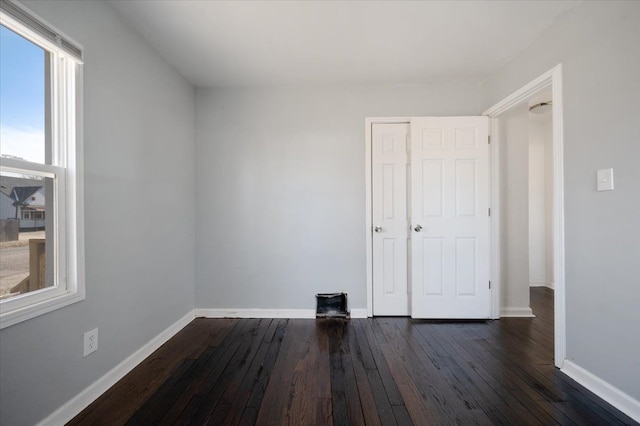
(22, 94)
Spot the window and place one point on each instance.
(40, 169)
(26, 215)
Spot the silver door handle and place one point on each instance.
(418, 228)
(378, 229)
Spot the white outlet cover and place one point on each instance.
(605, 180)
(90, 342)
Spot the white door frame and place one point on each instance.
(369, 122)
(553, 79)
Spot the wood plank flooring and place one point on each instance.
(381, 371)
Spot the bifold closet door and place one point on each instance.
(450, 217)
(389, 143)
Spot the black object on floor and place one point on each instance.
(332, 305)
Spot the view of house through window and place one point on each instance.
(26, 233)
(26, 199)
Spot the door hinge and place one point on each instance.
(489, 139)
(489, 285)
(489, 211)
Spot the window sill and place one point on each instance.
(16, 316)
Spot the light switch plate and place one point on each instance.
(605, 180)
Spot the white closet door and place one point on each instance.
(450, 217)
(391, 227)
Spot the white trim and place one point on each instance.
(74, 406)
(537, 284)
(359, 313)
(494, 223)
(541, 284)
(524, 93)
(51, 301)
(614, 396)
(369, 121)
(368, 218)
(27, 167)
(255, 313)
(558, 218)
(268, 313)
(517, 312)
(552, 78)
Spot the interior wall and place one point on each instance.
(280, 208)
(139, 220)
(596, 44)
(514, 211)
(540, 200)
(548, 195)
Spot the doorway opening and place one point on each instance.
(540, 200)
(513, 262)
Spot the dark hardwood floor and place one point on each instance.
(380, 371)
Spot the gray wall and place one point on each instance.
(597, 43)
(514, 210)
(280, 210)
(139, 154)
(541, 199)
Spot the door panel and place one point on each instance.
(450, 202)
(433, 261)
(390, 241)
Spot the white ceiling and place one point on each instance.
(275, 43)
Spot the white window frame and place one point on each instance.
(66, 171)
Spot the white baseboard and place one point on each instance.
(81, 401)
(268, 313)
(256, 313)
(540, 284)
(517, 312)
(359, 313)
(614, 396)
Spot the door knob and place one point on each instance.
(418, 228)
(378, 229)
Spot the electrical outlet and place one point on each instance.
(90, 341)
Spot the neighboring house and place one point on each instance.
(23, 199)
(29, 204)
(7, 209)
